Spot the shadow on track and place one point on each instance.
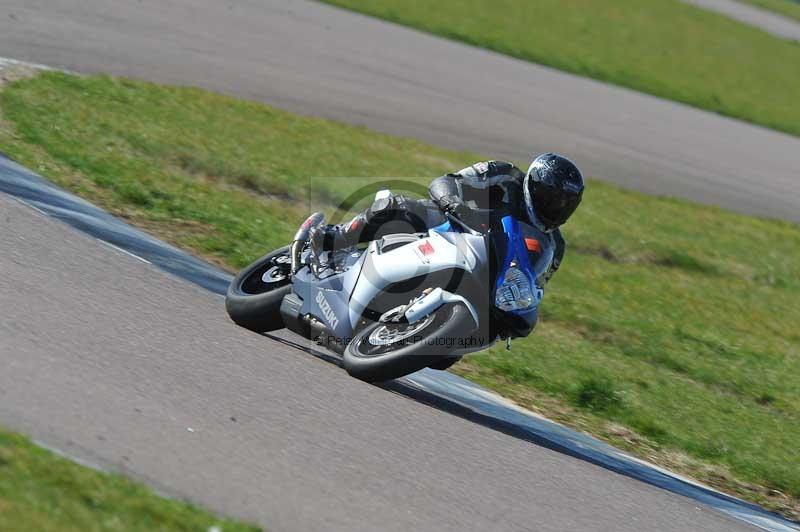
(415, 393)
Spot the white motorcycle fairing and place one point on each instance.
(417, 257)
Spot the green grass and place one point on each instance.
(43, 492)
(787, 8)
(663, 47)
(675, 320)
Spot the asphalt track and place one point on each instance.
(119, 364)
(773, 23)
(124, 366)
(315, 59)
(441, 390)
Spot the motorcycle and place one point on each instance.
(406, 301)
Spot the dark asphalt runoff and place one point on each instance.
(119, 364)
(315, 59)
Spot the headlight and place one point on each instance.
(515, 293)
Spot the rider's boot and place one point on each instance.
(337, 236)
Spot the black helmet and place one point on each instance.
(553, 190)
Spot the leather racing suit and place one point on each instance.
(484, 185)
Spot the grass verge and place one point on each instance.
(44, 492)
(670, 330)
(787, 8)
(662, 47)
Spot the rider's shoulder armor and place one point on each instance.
(489, 173)
(489, 184)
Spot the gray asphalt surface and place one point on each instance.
(768, 21)
(114, 361)
(314, 59)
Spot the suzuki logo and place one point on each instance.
(327, 311)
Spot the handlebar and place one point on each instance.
(459, 222)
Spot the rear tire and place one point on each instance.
(255, 294)
(430, 345)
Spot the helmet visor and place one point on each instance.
(554, 206)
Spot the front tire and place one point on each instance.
(255, 294)
(385, 351)
(444, 363)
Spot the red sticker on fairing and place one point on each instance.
(426, 249)
(533, 245)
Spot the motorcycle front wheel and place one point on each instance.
(254, 296)
(385, 351)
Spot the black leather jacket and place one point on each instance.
(490, 185)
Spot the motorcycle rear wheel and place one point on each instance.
(255, 294)
(386, 351)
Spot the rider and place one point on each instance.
(545, 196)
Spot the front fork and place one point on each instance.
(431, 300)
(301, 238)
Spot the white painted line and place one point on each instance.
(7, 61)
(95, 467)
(135, 256)
(62, 454)
(32, 206)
